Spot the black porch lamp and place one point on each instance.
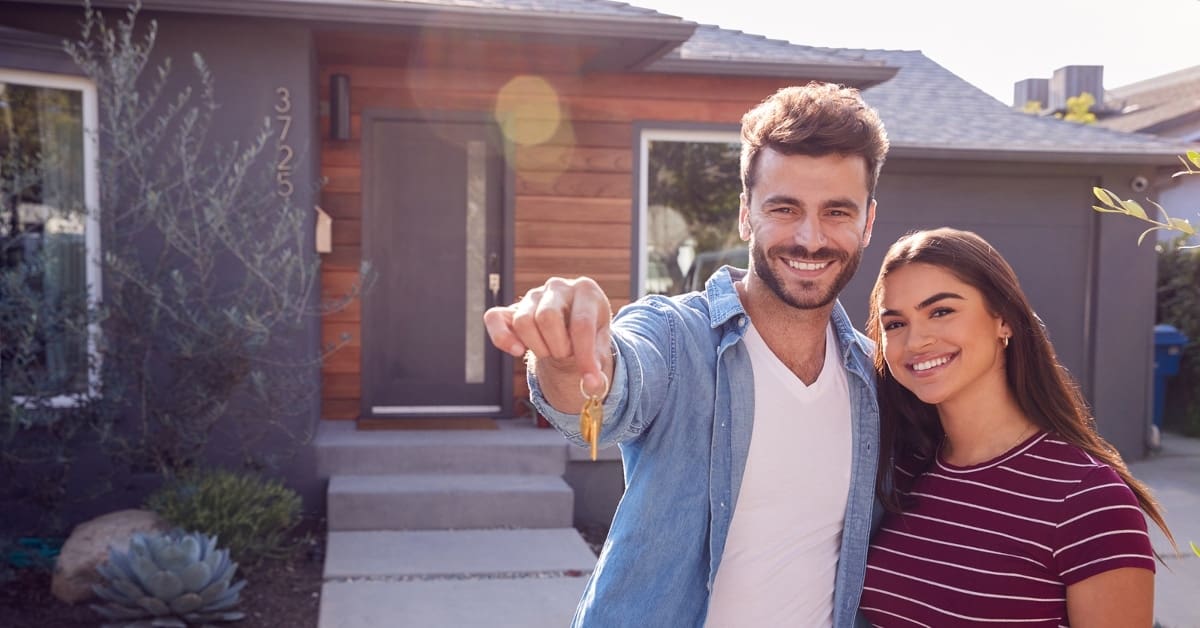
(339, 106)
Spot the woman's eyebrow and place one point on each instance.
(926, 303)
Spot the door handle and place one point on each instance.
(494, 286)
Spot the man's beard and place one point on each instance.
(805, 300)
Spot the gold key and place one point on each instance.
(592, 415)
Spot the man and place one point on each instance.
(746, 414)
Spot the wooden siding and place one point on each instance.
(574, 197)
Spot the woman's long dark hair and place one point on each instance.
(1044, 389)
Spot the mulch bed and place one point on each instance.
(279, 593)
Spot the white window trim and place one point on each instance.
(663, 135)
(91, 199)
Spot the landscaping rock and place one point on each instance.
(87, 548)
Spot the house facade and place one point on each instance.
(1166, 106)
(469, 150)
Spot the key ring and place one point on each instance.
(585, 393)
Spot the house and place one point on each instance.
(1166, 106)
(470, 148)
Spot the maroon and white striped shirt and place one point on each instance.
(999, 542)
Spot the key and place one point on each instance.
(589, 422)
(592, 416)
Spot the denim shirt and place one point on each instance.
(681, 407)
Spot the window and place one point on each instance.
(47, 241)
(690, 182)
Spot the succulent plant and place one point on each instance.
(168, 580)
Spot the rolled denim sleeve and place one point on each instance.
(639, 367)
(614, 404)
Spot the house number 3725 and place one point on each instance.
(283, 169)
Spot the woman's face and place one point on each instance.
(939, 339)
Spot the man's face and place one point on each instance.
(807, 220)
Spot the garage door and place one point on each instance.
(1042, 226)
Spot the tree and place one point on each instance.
(207, 285)
(45, 325)
(693, 190)
(1079, 109)
(1178, 292)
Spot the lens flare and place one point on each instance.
(528, 110)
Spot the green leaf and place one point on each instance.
(1182, 225)
(186, 603)
(1194, 157)
(195, 577)
(1106, 197)
(1133, 208)
(154, 605)
(1195, 549)
(165, 585)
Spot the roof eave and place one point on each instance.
(675, 30)
(1165, 125)
(636, 42)
(861, 76)
(1156, 157)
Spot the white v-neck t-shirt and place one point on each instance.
(781, 555)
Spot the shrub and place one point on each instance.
(1179, 305)
(250, 515)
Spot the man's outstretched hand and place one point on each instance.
(564, 323)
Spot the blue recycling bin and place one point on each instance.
(1168, 350)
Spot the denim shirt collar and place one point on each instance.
(665, 370)
(724, 305)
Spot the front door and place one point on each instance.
(432, 230)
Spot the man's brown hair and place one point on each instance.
(817, 119)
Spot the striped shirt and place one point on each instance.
(998, 543)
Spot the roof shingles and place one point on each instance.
(1153, 102)
(925, 106)
(714, 43)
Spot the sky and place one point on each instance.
(990, 44)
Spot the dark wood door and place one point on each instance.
(432, 230)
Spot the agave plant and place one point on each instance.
(168, 580)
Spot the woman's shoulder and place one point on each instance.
(1081, 479)
(1058, 459)
(1098, 524)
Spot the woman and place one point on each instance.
(1005, 507)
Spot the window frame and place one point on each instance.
(91, 197)
(654, 132)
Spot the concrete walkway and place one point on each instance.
(1174, 476)
(454, 578)
(533, 579)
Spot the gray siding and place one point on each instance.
(249, 59)
(1098, 309)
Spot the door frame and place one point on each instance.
(373, 116)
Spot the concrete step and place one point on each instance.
(475, 603)
(422, 553)
(441, 501)
(516, 448)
